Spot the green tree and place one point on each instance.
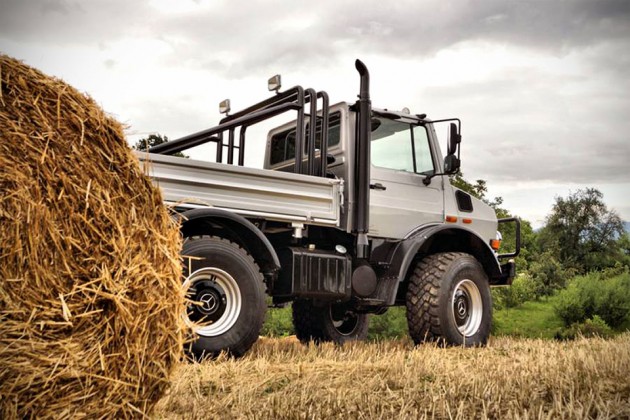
(153, 140)
(624, 248)
(548, 273)
(582, 231)
(478, 189)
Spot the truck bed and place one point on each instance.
(250, 192)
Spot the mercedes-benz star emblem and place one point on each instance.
(461, 307)
(208, 301)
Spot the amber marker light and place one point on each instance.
(495, 244)
(467, 221)
(451, 219)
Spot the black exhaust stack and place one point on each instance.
(362, 163)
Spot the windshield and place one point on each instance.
(401, 146)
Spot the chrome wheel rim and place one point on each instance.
(213, 301)
(467, 307)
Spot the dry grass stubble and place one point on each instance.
(511, 378)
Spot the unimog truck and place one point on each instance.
(352, 213)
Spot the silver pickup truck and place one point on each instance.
(361, 219)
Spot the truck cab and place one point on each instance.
(362, 218)
(406, 195)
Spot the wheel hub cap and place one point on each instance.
(467, 307)
(461, 307)
(214, 301)
(209, 302)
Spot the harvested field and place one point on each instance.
(90, 278)
(511, 378)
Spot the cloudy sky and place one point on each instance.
(542, 86)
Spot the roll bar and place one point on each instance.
(293, 99)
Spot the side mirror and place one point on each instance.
(451, 164)
(454, 138)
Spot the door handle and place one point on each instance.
(378, 186)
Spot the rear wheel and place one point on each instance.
(226, 297)
(306, 321)
(448, 300)
(333, 322)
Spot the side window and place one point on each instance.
(334, 132)
(400, 146)
(283, 143)
(278, 146)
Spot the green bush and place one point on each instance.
(595, 327)
(278, 323)
(591, 295)
(549, 274)
(617, 270)
(392, 324)
(613, 303)
(523, 289)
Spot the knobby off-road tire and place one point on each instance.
(226, 293)
(448, 300)
(306, 321)
(335, 323)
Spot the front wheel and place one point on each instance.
(226, 297)
(448, 300)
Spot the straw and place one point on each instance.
(90, 278)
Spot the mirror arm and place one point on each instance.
(427, 179)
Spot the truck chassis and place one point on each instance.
(332, 228)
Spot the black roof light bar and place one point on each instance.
(293, 99)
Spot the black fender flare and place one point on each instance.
(219, 222)
(443, 238)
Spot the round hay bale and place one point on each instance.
(90, 290)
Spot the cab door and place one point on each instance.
(401, 156)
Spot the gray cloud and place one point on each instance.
(292, 34)
(256, 36)
(528, 123)
(423, 27)
(536, 126)
(66, 22)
